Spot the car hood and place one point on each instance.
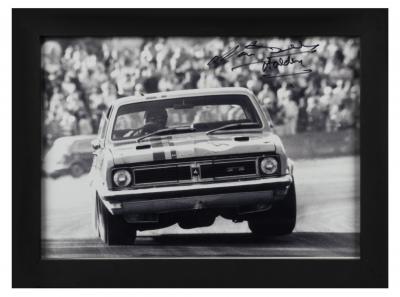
(192, 145)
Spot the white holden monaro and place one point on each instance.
(187, 157)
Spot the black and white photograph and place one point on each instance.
(200, 147)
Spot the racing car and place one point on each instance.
(186, 157)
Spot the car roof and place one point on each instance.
(72, 139)
(181, 93)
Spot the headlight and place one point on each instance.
(269, 165)
(122, 178)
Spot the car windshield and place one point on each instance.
(202, 113)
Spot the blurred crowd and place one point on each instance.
(81, 77)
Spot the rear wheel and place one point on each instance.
(112, 229)
(279, 220)
(77, 170)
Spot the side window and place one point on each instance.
(83, 146)
(103, 127)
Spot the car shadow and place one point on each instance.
(300, 238)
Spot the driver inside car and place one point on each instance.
(155, 119)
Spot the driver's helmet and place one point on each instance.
(157, 116)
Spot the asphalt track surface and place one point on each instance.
(328, 224)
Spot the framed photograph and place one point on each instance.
(200, 148)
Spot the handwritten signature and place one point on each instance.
(275, 57)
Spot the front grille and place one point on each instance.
(164, 174)
(197, 170)
(227, 169)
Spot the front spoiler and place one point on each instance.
(194, 196)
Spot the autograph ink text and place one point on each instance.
(275, 58)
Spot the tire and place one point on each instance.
(54, 175)
(77, 170)
(112, 229)
(280, 220)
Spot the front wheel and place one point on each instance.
(112, 229)
(279, 220)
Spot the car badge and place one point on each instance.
(195, 171)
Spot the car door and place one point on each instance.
(84, 152)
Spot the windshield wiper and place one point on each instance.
(166, 130)
(236, 125)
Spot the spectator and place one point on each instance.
(84, 125)
(302, 119)
(316, 114)
(254, 83)
(266, 95)
(87, 75)
(291, 116)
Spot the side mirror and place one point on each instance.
(271, 125)
(96, 144)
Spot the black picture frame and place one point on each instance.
(29, 26)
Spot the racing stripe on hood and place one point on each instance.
(173, 151)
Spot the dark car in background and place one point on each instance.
(70, 155)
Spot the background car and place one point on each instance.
(69, 155)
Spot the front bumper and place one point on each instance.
(195, 196)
